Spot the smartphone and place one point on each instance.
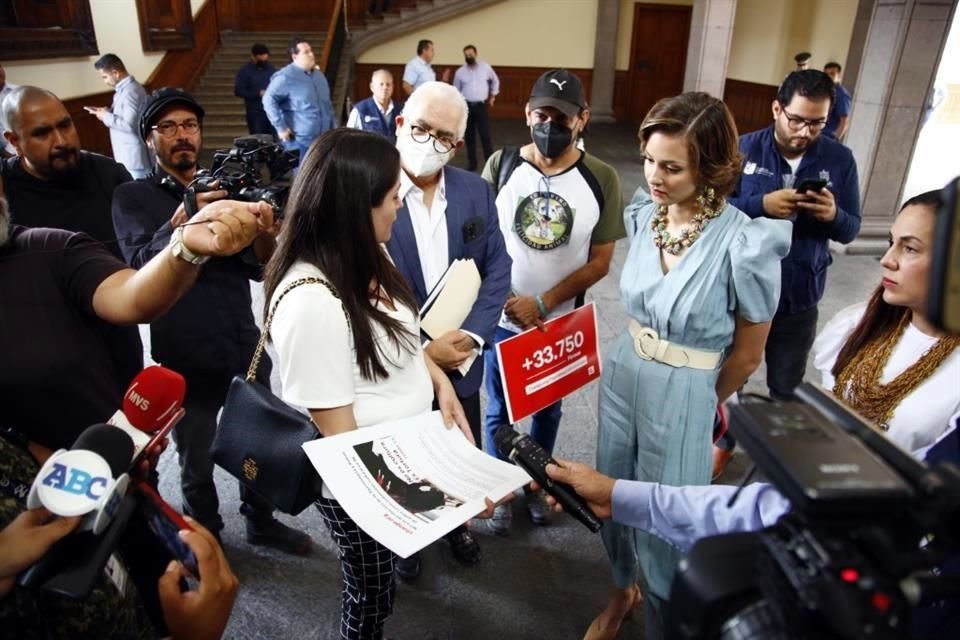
(810, 184)
(165, 523)
(157, 436)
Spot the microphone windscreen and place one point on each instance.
(503, 439)
(153, 397)
(110, 443)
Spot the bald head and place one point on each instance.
(42, 132)
(381, 86)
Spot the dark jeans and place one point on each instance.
(257, 122)
(477, 118)
(206, 392)
(788, 346)
(546, 422)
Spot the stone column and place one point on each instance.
(903, 45)
(604, 61)
(711, 30)
(858, 40)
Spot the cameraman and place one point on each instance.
(209, 335)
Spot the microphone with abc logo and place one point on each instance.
(90, 480)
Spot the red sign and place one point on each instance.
(538, 368)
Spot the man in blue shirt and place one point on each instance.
(251, 83)
(418, 70)
(777, 160)
(479, 84)
(840, 111)
(297, 100)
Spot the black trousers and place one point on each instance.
(206, 391)
(788, 347)
(257, 122)
(477, 119)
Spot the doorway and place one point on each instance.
(658, 55)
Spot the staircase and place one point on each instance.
(225, 119)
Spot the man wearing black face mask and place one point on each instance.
(560, 211)
(252, 80)
(479, 84)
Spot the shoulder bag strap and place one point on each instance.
(258, 353)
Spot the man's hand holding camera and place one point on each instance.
(225, 227)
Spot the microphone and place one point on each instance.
(532, 458)
(151, 405)
(87, 480)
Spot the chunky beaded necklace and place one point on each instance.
(710, 208)
(859, 382)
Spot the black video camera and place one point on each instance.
(255, 169)
(871, 546)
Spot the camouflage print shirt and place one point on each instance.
(34, 615)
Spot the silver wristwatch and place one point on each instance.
(180, 250)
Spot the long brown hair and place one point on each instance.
(328, 224)
(880, 318)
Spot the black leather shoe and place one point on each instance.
(408, 569)
(275, 534)
(464, 547)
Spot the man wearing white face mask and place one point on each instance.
(448, 214)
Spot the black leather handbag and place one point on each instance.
(259, 436)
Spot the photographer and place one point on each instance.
(210, 334)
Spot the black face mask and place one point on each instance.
(470, 60)
(551, 138)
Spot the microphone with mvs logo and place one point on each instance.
(151, 406)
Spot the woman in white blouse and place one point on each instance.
(348, 339)
(883, 357)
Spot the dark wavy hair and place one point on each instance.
(328, 224)
(812, 84)
(880, 317)
(711, 135)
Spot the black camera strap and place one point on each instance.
(190, 202)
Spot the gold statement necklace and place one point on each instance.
(710, 208)
(859, 382)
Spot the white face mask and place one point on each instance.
(420, 159)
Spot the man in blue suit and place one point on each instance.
(448, 214)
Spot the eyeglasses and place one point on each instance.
(441, 144)
(168, 128)
(796, 123)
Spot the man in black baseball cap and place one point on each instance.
(560, 213)
(209, 335)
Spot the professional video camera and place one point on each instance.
(872, 541)
(255, 169)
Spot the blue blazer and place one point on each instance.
(473, 231)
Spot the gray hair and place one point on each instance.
(440, 92)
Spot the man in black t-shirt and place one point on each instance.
(51, 182)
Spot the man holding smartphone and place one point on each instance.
(791, 171)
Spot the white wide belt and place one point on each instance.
(649, 346)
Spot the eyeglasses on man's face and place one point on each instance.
(796, 123)
(441, 144)
(168, 128)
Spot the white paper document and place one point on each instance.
(452, 299)
(408, 482)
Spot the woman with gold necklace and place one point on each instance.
(883, 357)
(700, 283)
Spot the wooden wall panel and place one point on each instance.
(185, 68)
(165, 24)
(307, 16)
(750, 104)
(515, 85)
(94, 136)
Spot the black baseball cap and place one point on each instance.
(561, 90)
(160, 100)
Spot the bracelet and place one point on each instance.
(542, 307)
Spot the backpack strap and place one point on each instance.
(509, 161)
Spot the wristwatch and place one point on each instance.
(180, 250)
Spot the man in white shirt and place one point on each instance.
(419, 71)
(376, 113)
(448, 214)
